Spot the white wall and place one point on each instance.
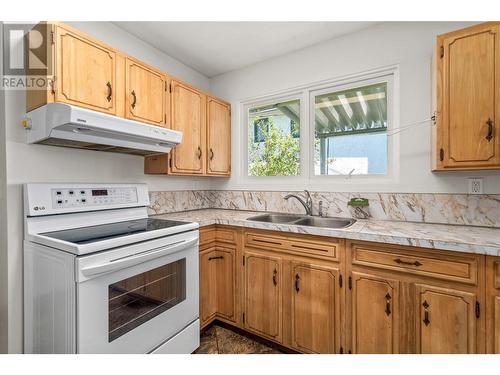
(38, 163)
(408, 45)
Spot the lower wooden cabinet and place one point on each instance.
(217, 284)
(445, 321)
(315, 308)
(357, 297)
(263, 289)
(374, 314)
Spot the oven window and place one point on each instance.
(139, 298)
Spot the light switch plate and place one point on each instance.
(475, 185)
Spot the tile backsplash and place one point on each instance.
(462, 209)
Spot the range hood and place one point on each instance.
(60, 124)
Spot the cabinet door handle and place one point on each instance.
(217, 257)
(275, 277)
(110, 91)
(388, 304)
(297, 280)
(199, 152)
(415, 263)
(426, 313)
(134, 101)
(489, 136)
(211, 154)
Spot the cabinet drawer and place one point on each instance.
(420, 262)
(294, 244)
(226, 235)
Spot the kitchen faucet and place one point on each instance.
(308, 204)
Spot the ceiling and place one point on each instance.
(214, 48)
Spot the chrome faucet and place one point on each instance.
(308, 203)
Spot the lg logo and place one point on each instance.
(39, 208)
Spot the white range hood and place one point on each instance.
(59, 124)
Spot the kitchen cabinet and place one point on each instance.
(84, 72)
(315, 307)
(446, 321)
(263, 292)
(467, 85)
(374, 309)
(208, 285)
(218, 138)
(493, 305)
(189, 117)
(146, 94)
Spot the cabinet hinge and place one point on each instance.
(52, 38)
(441, 52)
(340, 281)
(441, 154)
(170, 88)
(350, 282)
(243, 260)
(170, 162)
(478, 310)
(341, 351)
(165, 118)
(243, 318)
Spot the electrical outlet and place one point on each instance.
(475, 186)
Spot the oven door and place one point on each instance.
(132, 299)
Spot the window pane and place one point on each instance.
(274, 140)
(351, 131)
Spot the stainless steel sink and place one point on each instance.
(325, 222)
(310, 221)
(276, 218)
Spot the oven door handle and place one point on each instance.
(132, 260)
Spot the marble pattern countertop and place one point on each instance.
(461, 238)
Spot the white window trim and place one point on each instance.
(306, 95)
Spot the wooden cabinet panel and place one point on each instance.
(208, 287)
(146, 91)
(446, 321)
(374, 320)
(225, 261)
(85, 73)
(493, 305)
(468, 85)
(218, 138)
(315, 309)
(263, 278)
(188, 116)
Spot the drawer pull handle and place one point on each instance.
(275, 278)
(297, 280)
(215, 258)
(415, 263)
(426, 313)
(388, 304)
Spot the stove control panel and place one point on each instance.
(83, 197)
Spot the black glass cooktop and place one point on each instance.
(103, 232)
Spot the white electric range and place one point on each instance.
(102, 277)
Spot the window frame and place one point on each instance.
(306, 94)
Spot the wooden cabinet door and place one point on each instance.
(263, 295)
(86, 74)
(225, 261)
(146, 91)
(218, 138)
(374, 320)
(188, 116)
(493, 305)
(315, 309)
(208, 286)
(446, 321)
(470, 66)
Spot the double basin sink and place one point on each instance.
(310, 221)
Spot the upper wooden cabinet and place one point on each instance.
(189, 117)
(218, 137)
(467, 132)
(146, 94)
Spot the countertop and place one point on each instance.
(460, 238)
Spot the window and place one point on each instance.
(350, 131)
(274, 139)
